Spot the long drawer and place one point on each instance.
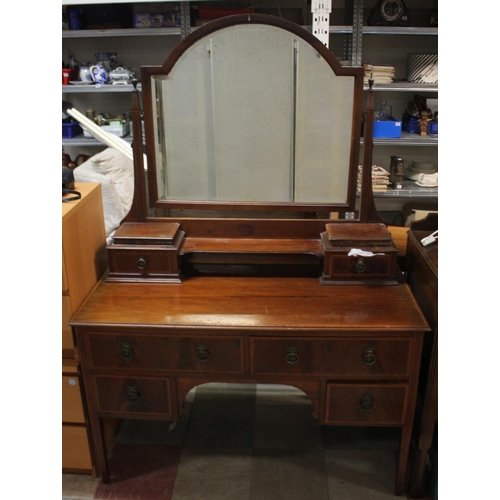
(133, 396)
(352, 404)
(341, 357)
(175, 353)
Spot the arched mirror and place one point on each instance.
(252, 112)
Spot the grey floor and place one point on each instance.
(245, 442)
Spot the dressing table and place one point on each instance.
(231, 265)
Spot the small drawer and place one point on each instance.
(172, 353)
(350, 404)
(340, 357)
(376, 266)
(124, 396)
(75, 449)
(72, 407)
(143, 263)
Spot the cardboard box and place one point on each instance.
(142, 20)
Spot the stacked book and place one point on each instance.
(379, 74)
(380, 179)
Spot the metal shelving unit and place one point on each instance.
(353, 43)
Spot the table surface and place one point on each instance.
(253, 303)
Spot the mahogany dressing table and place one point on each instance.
(231, 265)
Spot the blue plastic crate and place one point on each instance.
(70, 130)
(388, 129)
(412, 126)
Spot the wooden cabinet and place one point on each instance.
(143, 346)
(83, 263)
(422, 276)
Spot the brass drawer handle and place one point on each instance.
(367, 403)
(141, 263)
(360, 266)
(291, 355)
(369, 357)
(126, 351)
(202, 353)
(132, 393)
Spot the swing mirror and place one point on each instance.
(252, 113)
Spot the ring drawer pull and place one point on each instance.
(360, 266)
(141, 263)
(132, 393)
(126, 351)
(202, 353)
(369, 357)
(367, 403)
(291, 355)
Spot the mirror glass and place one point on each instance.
(252, 113)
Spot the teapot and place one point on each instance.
(99, 73)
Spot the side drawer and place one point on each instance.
(351, 404)
(175, 353)
(75, 449)
(72, 407)
(146, 396)
(376, 266)
(143, 263)
(341, 357)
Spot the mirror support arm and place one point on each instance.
(138, 211)
(367, 209)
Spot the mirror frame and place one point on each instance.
(148, 72)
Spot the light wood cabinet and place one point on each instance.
(83, 263)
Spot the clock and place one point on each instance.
(389, 13)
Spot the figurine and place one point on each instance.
(425, 118)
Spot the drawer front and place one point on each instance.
(170, 353)
(72, 407)
(133, 395)
(75, 449)
(346, 358)
(376, 266)
(352, 404)
(143, 262)
(67, 336)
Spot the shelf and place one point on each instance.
(404, 87)
(408, 139)
(399, 30)
(127, 32)
(92, 89)
(80, 140)
(410, 189)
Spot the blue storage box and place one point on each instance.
(70, 130)
(387, 129)
(412, 125)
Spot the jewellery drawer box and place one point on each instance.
(122, 396)
(361, 358)
(353, 404)
(145, 252)
(358, 254)
(176, 353)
